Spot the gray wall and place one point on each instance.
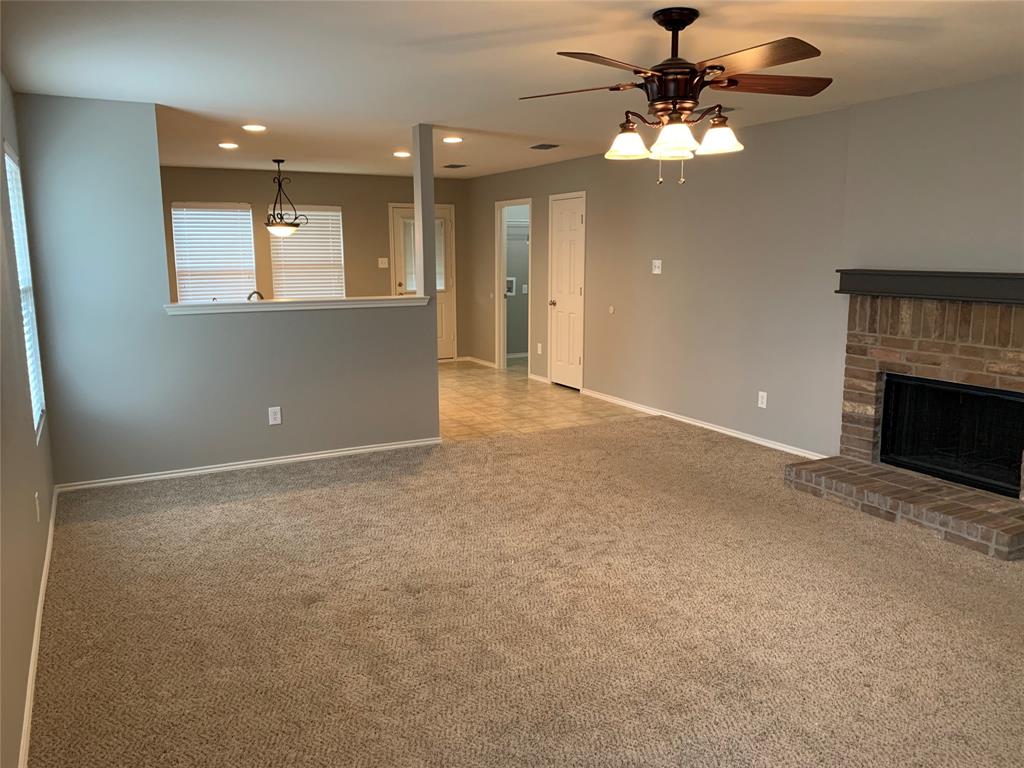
(517, 252)
(364, 208)
(132, 390)
(24, 470)
(750, 245)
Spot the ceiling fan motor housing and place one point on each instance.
(678, 88)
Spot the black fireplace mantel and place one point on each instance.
(1000, 287)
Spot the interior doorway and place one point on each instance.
(567, 223)
(512, 288)
(403, 266)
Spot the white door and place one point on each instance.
(403, 267)
(567, 217)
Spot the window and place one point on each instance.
(28, 305)
(311, 263)
(409, 250)
(213, 251)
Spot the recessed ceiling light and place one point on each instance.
(228, 145)
(452, 139)
(402, 153)
(254, 128)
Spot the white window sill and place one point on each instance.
(293, 305)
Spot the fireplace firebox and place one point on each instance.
(970, 435)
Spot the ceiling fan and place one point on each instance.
(673, 88)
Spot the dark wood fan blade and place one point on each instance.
(593, 58)
(772, 54)
(782, 85)
(616, 87)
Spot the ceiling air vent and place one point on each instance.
(544, 146)
(455, 165)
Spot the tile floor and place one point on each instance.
(477, 401)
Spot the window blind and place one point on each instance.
(213, 251)
(30, 330)
(311, 263)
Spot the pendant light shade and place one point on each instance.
(281, 223)
(628, 144)
(675, 141)
(719, 139)
(280, 229)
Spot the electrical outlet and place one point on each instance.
(382, 263)
(37, 506)
(655, 266)
(762, 399)
(274, 415)
(540, 349)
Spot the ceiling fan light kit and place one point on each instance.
(673, 88)
(628, 144)
(719, 139)
(675, 141)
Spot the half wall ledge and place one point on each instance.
(293, 305)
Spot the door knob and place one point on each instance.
(552, 303)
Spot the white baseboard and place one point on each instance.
(467, 359)
(233, 465)
(30, 692)
(698, 423)
(517, 354)
(538, 377)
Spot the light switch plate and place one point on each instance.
(274, 415)
(382, 263)
(524, 289)
(655, 266)
(762, 399)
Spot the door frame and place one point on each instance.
(452, 282)
(500, 267)
(551, 273)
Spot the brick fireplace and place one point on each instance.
(969, 342)
(966, 339)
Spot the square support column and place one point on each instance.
(423, 209)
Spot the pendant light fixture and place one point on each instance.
(280, 223)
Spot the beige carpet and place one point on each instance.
(638, 593)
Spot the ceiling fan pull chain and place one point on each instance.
(661, 179)
(682, 178)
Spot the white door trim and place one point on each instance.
(551, 225)
(500, 267)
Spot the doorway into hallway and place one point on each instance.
(512, 273)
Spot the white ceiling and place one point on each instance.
(341, 83)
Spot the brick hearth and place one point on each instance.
(986, 522)
(970, 342)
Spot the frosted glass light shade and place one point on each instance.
(719, 140)
(280, 229)
(675, 142)
(628, 145)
